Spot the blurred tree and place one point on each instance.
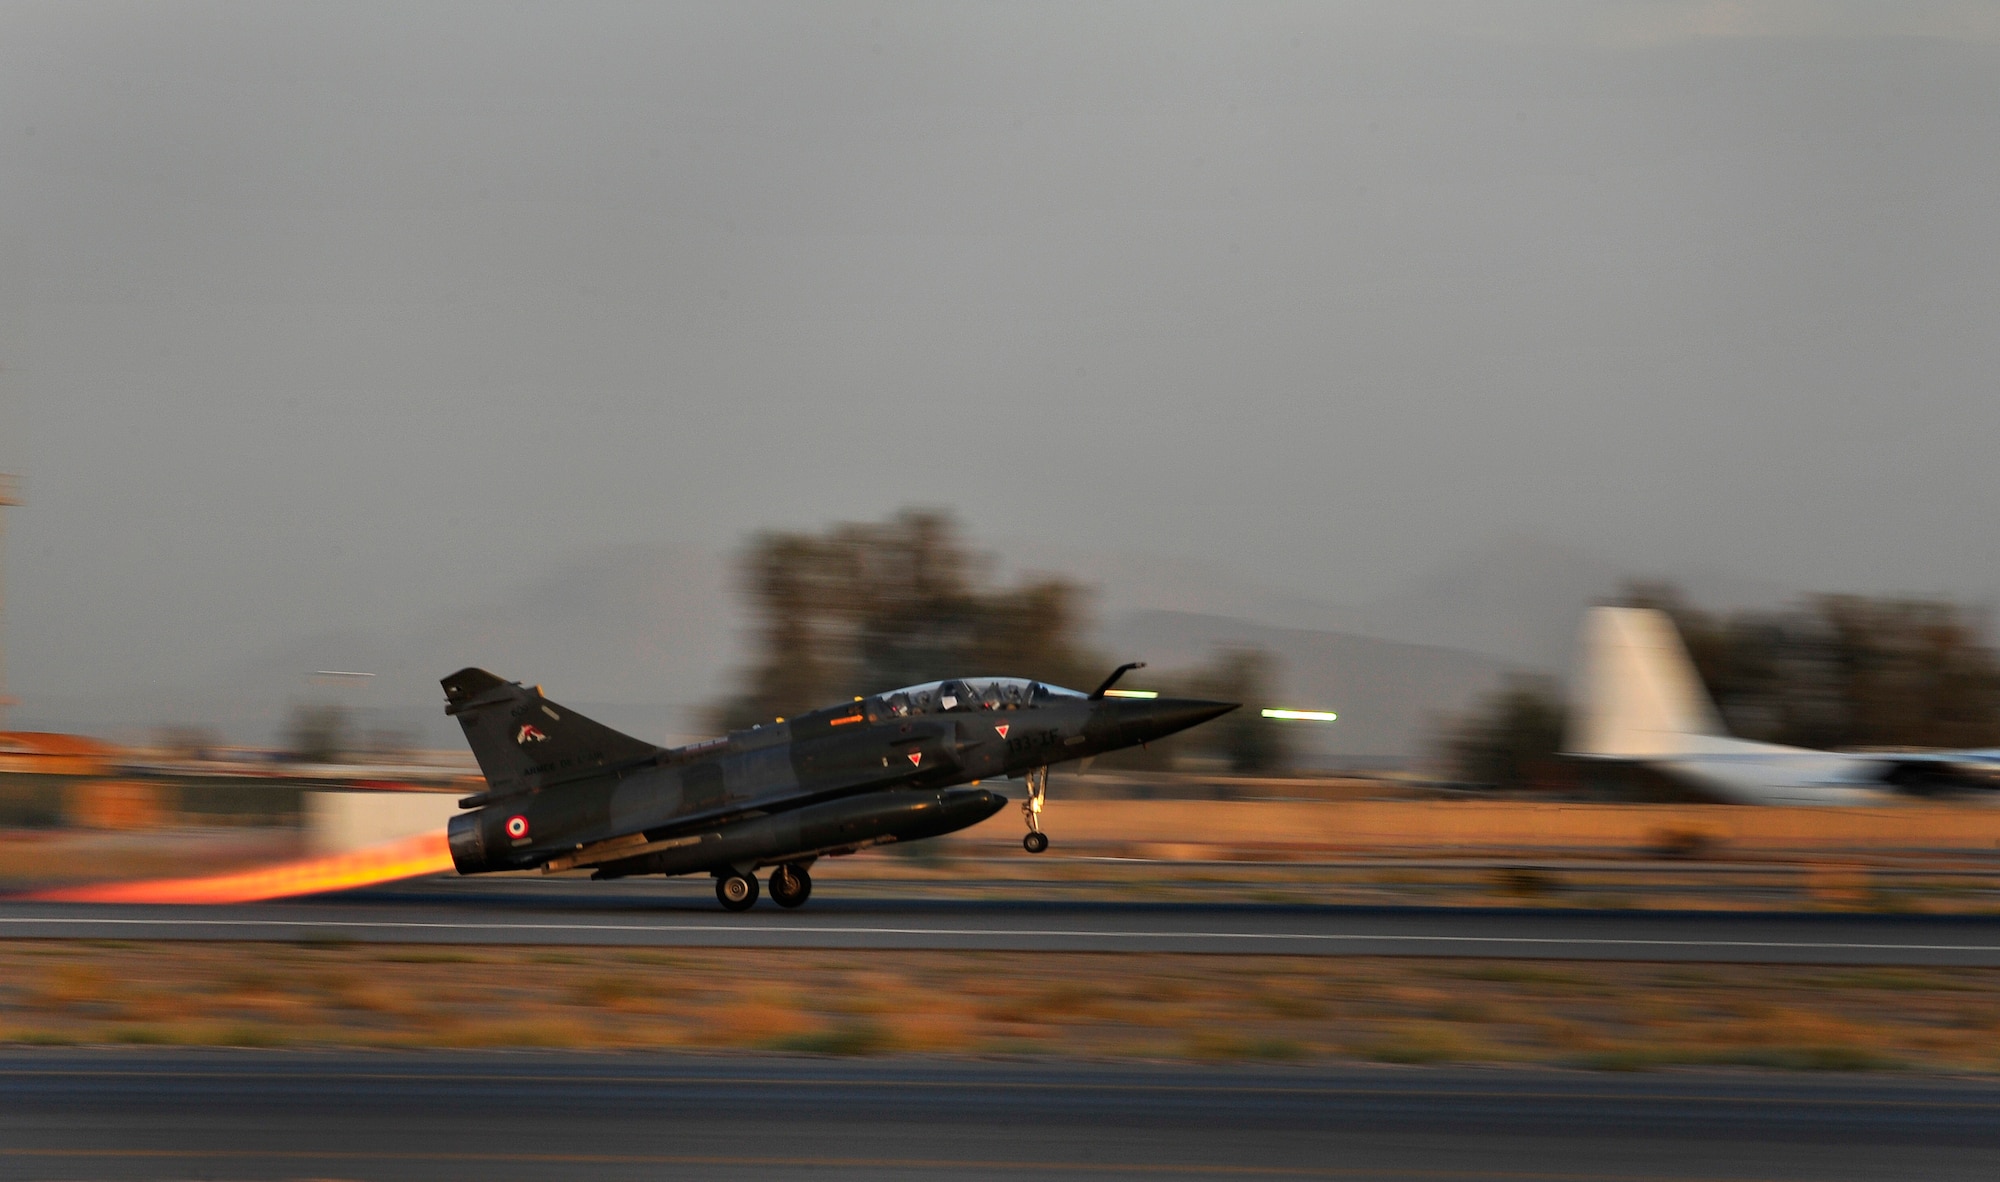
(870, 606)
(318, 733)
(1845, 670)
(1511, 740)
(1908, 672)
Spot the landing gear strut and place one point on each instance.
(791, 886)
(1038, 785)
(736, 892)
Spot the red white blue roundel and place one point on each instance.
(517, 826)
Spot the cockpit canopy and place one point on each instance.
(976, 693)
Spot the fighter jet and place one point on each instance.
(564, 792)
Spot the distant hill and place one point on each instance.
(645, 636)
(646, 633)
(1128, 582)
(1519, 599)
(1523, 599)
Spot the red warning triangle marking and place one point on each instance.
(1001, 728)
(915, 757)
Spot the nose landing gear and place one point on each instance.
(1038, 785)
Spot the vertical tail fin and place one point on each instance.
(523, 741)
(1638, 695)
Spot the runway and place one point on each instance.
(653, 914)
(120, 1115)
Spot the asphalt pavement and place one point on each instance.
(656, 914)
(498, 1116)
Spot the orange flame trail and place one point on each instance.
(409, 857)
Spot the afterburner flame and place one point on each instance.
(409, 857)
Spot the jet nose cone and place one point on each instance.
(1182, 713)
(1142, 720)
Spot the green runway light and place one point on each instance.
(1302, 715)
(1131, 693)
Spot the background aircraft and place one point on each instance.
(1640, 701)
(565, 792)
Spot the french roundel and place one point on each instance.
(517, 826)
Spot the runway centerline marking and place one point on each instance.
(1039, 933)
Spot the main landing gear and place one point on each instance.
(736, 892)
(791, 886)
(1038, 785)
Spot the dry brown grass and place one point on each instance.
(767, 1020)
(1258, 1007)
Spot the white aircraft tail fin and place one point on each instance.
(1638, 695)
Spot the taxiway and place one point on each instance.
(500, 1116)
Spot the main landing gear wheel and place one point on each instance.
(791, 886)
(1038, 786)
(736, 892)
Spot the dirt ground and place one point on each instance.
(1601, 1015)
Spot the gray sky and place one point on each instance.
(318, 317)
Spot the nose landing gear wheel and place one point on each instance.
(1038, 785)
(791, 886)
(736, 892)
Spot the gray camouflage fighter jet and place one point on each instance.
(563, 792)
